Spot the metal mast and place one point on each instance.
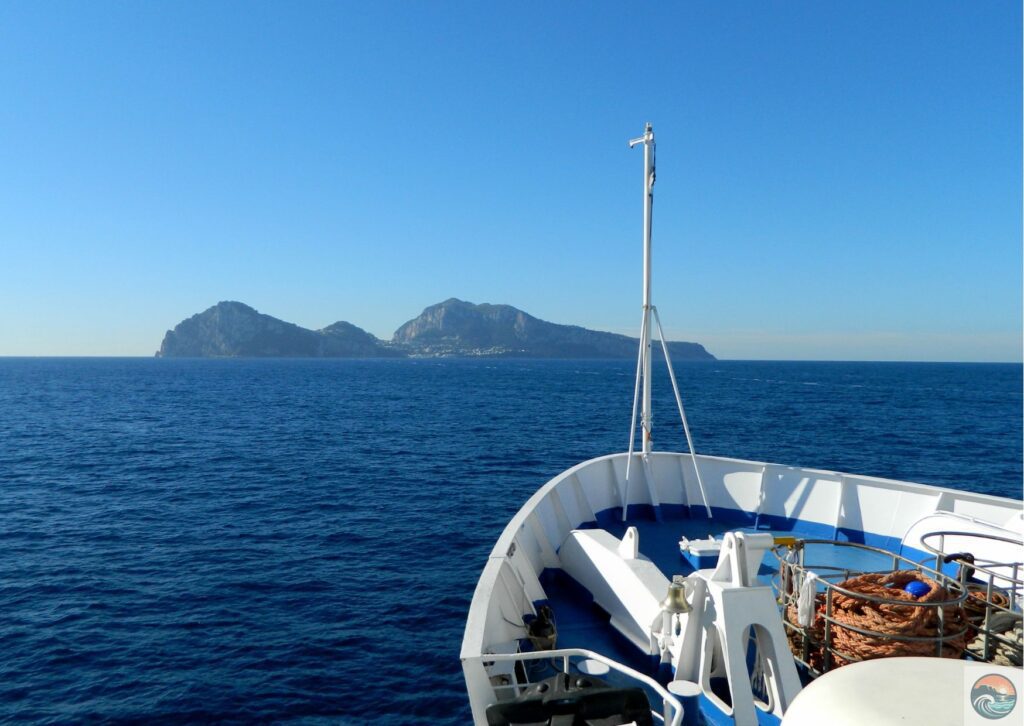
(643, 359)
(646, 418)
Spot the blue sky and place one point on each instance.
(835, 181)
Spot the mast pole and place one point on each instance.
(646, 418)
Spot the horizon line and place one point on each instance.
(503, 357)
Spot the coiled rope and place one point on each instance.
(899, 615)
(987, 621)
(978, 602)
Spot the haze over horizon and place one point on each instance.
(834, 183)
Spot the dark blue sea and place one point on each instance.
(276, 540)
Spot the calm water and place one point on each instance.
(274, 540)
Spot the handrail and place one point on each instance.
(565, 653)
(984, 609)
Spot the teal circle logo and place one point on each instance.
(993, 696)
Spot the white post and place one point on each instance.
(646, 419)
(682, 415)
(632, 421)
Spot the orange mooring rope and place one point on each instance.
(903, 615)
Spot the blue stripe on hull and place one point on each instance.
(611, 519)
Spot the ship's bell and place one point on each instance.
(675, 601)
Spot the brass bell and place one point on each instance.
(675, 601)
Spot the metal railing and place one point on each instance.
(994, 602)
(672, 708)
(813, 645)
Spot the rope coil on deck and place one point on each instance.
(876, 618)
(909, 617)
(815, 633)
(978, 602)
(1007, 646)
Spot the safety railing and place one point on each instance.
(672, 709)
(995, 589)
(933, 626)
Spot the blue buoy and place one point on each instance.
(917, 588)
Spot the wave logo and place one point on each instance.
(993, 696)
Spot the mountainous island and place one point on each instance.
(453, 328)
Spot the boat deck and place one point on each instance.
(582, 624)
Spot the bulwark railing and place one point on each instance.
(672, 709)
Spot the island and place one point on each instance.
(453, 328)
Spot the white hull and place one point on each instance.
(881, 511)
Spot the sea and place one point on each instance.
(299, 540)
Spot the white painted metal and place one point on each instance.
(632, 422)
(998, 550)
(673, 710)
(643, 360)
(627, 586)
(740, 558)
(891, 691)
(726, 601)
(642, 388)
(950, 522)
(741, 604)
(686, 646)
(646, 418)
(682, 412)
(531, 540)
(679, 622)
(706, 548)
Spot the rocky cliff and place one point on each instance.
(450, 328)
(235, 330)
(456, 327)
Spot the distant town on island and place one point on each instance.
(453, 328)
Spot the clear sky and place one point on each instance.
(835, 180)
